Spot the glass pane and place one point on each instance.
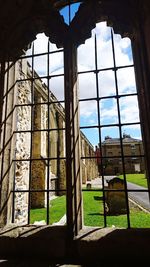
(24, 92)
(57, 88)
(93, 208)
(109, 133)
(23, 115)
(123, 51)
(132, 147)
(57, 210)
(111, 166)
(40, 66)
(41, 43)
(132, 131)
(22, 172)
(89, 167)
(65, 12)
(104, 46)
(139, 217)
(74, 9)
(21, 207)
(88, 113)
(56, 63)
(106, 81)
(85, 62)
(57, 142)
(126, 86)
(57, 175)
(87, 85)
(117, 221)
(53, 47)
(129, 109)
(92, 134)
(22, 144)
(108, 111)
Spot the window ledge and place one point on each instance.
(92, 245)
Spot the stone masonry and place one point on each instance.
(33, 144)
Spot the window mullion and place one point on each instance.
(73, 174)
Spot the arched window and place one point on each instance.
(78, 82)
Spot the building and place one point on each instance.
(132, 155)
(31, 245)
(31, 128)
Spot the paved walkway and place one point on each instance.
(141, 198)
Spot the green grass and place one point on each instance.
(93, 213)
(138, 179)
(57, 210)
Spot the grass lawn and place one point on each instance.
(93, 212)
(136, 178)
(57, 210)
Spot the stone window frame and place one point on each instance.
(141, 67)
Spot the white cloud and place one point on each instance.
(88, 108)
(129, 109)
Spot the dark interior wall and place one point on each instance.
(146, 26)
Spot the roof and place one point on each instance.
(125, 140)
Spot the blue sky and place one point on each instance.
(65, 12)
(106, 81)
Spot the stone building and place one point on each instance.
(132, 155)
(46, 138)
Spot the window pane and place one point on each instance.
(57, 88)
(123, 51)
(88, 113)
(104, 46)
(106, 83)
(85, 62)
(87, 85)
(129, 109)
(126, 86)
(108, 111)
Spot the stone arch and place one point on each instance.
(39, 17)
(43, 16)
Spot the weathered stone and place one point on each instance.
(32, 149)
(116, 200)
(88, 185)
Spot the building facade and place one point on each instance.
(130, 154)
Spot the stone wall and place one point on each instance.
(32, 170)
(23, 142)
(89, 165)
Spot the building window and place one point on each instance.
(109, 117)
(34, 120)
(47, 153)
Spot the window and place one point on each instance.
(54, 154)
(108, 109)
(35, 132)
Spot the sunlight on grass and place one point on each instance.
(56, 211)
(93, 212)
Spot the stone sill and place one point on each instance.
(92, 245)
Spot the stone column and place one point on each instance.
(38, 165)
(61, 165)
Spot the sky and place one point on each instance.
(129, 111)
